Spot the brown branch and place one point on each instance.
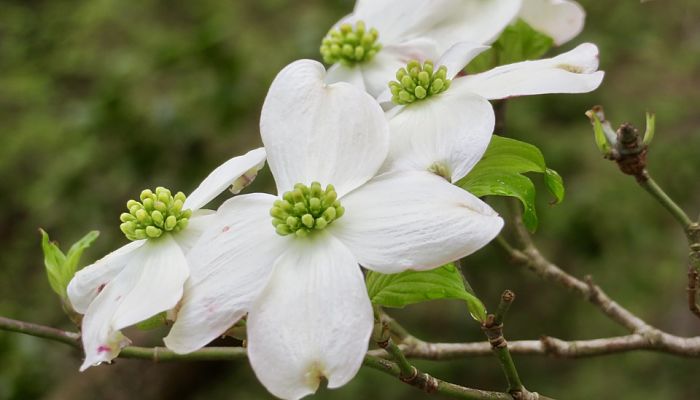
(531, 257)
(652, 340)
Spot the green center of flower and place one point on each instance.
(156, 213)
(305, 209)
(417, 82)
(350, 45)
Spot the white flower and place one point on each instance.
(562, 20)
(309, 315)
(146, 276)
(406, 30)
(448, 132)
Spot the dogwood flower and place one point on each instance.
(379, 36)
(146, 276)
(446, 130)
(309, 315)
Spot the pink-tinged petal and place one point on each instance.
(313, 320)
(237, 173)
(413, 220)
(562, 20)
(151, 282)
(334, 134)
(572, 72)
(89, 281)
(229, 266)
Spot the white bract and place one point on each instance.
(146, 276)
(561, 20)
(309, 315)
(406, 30)
(448, 132)
(380, 36)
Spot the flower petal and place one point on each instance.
(313, 320)
(450, 130)
(413, 220)
(229, 266)
(89, 281)
(444, 21)
(316, 132)
(343, 73)
(151, 283)
(458, 56)
(562, 20)
(159, 271)
(243, 167)
(571, 72)
(200, 221)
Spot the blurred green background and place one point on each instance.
(100, 99)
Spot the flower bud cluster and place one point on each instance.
(157, 213)
(417, 82)
(350, 45)
(305, 209)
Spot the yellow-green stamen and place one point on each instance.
(154, 215)
(306, 209)
(350, 45)
(418, 82)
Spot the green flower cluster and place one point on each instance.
(304, 209)
(156, 213)
(350, 45)
(417, 82)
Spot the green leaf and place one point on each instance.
(410, 287)
(60, 268)
(500, 173)
(518, 42)
(76, 251)
(555, 184)
(54, 259)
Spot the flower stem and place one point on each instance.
(659, 195)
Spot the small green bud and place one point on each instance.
(148, 204)
(320, 223)
(308, 220)
(126, 217)
(293, 222)
(170, 222)
(146, 194)
(157, 218)
(153, 232)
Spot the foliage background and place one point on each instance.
(99, 99)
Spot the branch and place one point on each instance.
(12, 325)
(430, 384)
(493, 328)
(421, 380)
(533, 260)
(155, 354)
(652, 340)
